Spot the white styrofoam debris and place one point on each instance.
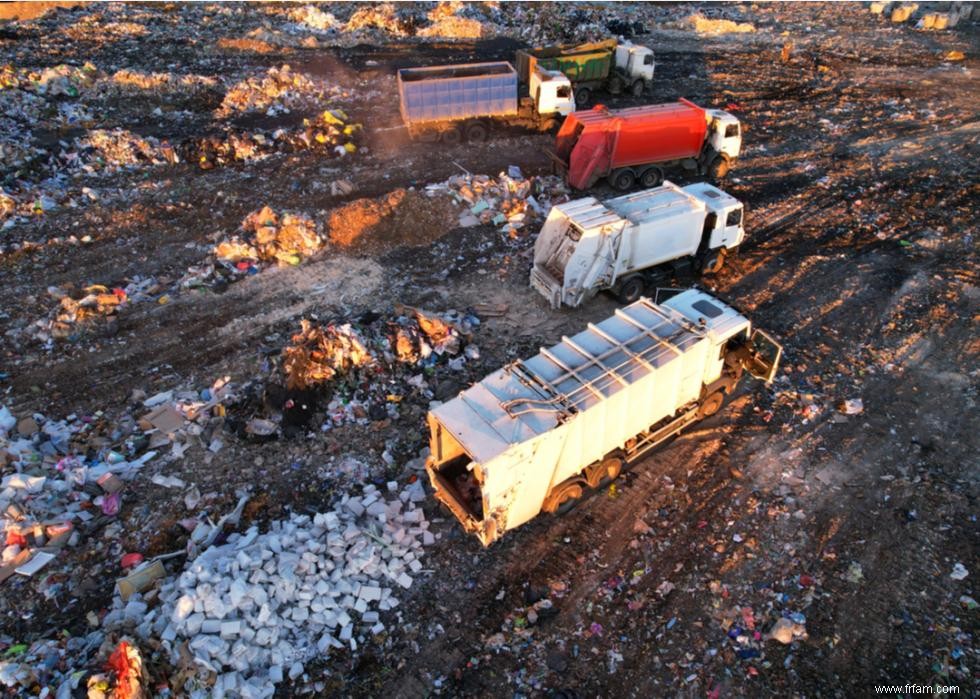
(255, 609)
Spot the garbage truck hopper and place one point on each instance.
(520, 440)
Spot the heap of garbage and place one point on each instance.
(76, 314)
(279, 91)
(62, 480)
(510, 201)
(254, 610)
(271, 238)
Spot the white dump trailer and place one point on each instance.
(629, 243)
(537, 433)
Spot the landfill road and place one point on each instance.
(815, 537)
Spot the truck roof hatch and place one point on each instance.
(718, 318)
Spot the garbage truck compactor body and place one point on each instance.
(638, 144)
(450, 103)
(634, 241)
(536, 434)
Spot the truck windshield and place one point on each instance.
(734, 217)
(564, 91)
(731, 130)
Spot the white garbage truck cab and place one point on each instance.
(725, 137)
(552, 92)
(537, 434)
(634, 61)
(625, 244)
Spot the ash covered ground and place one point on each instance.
(184, 185)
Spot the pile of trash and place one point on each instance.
(246, 614)
(61, 667)
(279, 91)
(312, 17)
(77, 314)
(130, 83)
(392, 19)
(448, 21)
(285, 240)
(329, 134)
(111, 150)
(706, 25)
(320, 354)
(62, 480)
(510, 201)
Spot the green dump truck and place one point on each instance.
(611, 66)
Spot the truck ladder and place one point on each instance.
(648, 440)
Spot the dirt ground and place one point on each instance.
(859, 176)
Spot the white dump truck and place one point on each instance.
(631, 242)
(536, 434)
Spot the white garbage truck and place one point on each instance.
(537, 434)
(630, 243)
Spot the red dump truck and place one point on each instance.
(638, 144)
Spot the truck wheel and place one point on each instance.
(452, 137)
(714, 261)
(563, 497)
(637, 89)
(718, 169)
(582, 97)
(652, 177)
(711, 404)
(476, 133)
(622, 179)
(604, 472)
(631, 289)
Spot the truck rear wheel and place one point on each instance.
(719, 168)
(652, 177)
(563, 497)
(637, 88)
(631, 289)
(476, 132)
(452, 136)
(604, 472)
(711, 405)
(622, 179)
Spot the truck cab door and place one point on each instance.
(765, 356)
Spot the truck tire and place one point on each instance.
(582, 97)
(719, 168)
(637, 88)
(714, 260)
(604, 472)
(622, 179)
(452, 137)
(476, 132)
(652, 177)
(711, 405)
(563, 497)
(631, 289)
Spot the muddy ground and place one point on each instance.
(859, 175)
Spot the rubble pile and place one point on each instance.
(279, 91)
(254, 610)
(285, 239)
(403, 217)
(131, 83)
